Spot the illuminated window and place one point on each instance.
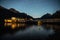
(5, 20)
(31, 19)
(13, 18)
(9, 20)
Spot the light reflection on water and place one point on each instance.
(35, 30)
(31, 31)
(14, 25)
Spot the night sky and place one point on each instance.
(35, 8)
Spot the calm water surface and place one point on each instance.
(33, 31)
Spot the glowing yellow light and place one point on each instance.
(13, 18)
(9, 20)
(39, 22)
(5, 20)
(13, 26)
(18, 25)
(7, 24)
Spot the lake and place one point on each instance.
(41, 32)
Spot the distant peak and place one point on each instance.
(58, 11)
(11, 9)
(47, 14)
(1, 7)
(14, 10)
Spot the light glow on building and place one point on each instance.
(14, 19)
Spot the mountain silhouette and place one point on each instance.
(14, 10)
(46, 16)
(56, 14)
(8, 13)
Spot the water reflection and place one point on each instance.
(14, 25)
(32, 31)
(53, 26)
